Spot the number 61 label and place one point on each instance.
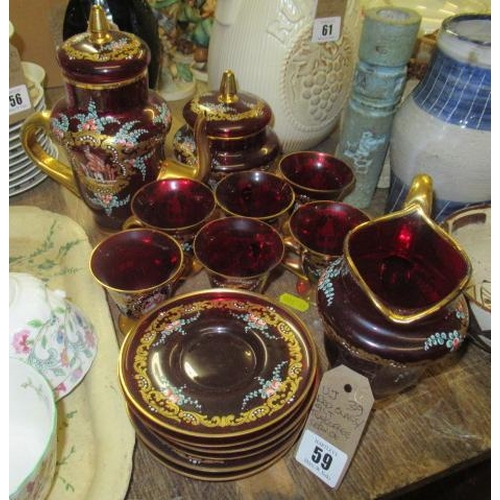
(321, 458)
(326, 29)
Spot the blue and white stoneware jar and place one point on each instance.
(443, 128)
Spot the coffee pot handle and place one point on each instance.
(54, 168)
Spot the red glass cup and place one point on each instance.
(238, 252)
(315, 175)
(316, 234)
(178, 207)
(257, 194)
(139, 268)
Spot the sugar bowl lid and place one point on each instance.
(230, 115)
(101, 56)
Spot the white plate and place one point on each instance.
(471, 228)
(28, 181)
(29, 170)
(18, 157)
(20, 166)
(15, 140)
(27, 185)
(25, 162)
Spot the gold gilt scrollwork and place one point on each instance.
(121, 48)
(162, 405)
(222, 111)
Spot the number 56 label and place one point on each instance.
(321, 458)
(19, 99)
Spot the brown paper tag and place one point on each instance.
(330, 8)
(335, 424)
(327, 24)
(20, 105)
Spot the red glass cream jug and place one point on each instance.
(393, 303)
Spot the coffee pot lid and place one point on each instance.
(230, 115)
(101, 56)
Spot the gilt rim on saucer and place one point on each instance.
(214, 464)
(281, 368)
(238, 445)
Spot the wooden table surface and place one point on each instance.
(441, 425)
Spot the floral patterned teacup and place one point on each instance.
(32, 433)
(50, 333)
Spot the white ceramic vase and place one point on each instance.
(268, 45)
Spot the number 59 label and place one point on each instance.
(321, 458)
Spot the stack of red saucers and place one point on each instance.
(219, 382)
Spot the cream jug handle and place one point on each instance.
(55, 169)
(421, 193)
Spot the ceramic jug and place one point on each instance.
(393, 303)
(110, 125)
(268, 44)
(444, 126)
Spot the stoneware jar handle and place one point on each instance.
(59, 171)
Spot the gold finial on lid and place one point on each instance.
(228, 88)
(98, 25)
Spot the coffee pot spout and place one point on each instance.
(200, 170)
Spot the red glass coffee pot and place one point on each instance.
(110, 125)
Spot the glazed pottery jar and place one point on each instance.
(110, 125)
(392, 304)
(443, 128)
(269, 46)
(238, 129)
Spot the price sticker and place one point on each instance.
(326, 29)
(327, 20)
(335, 424)
(321, 458)
(19, 99)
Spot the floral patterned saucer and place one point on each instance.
(49, 332)
(217, 363)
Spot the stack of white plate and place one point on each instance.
(23, 173)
